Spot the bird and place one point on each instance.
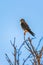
(26, 27)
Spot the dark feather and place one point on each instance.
(25, 26)
(33, 34)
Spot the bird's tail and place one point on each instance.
(33, 34)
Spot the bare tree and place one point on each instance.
(35, 55)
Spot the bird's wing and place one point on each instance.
(26, 26)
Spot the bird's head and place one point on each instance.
(22, 20)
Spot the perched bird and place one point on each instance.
(25, 27)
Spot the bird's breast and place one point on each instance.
(23, 26)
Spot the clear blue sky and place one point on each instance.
(11, 11)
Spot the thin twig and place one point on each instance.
(9, 61)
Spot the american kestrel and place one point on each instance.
(25, 27)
